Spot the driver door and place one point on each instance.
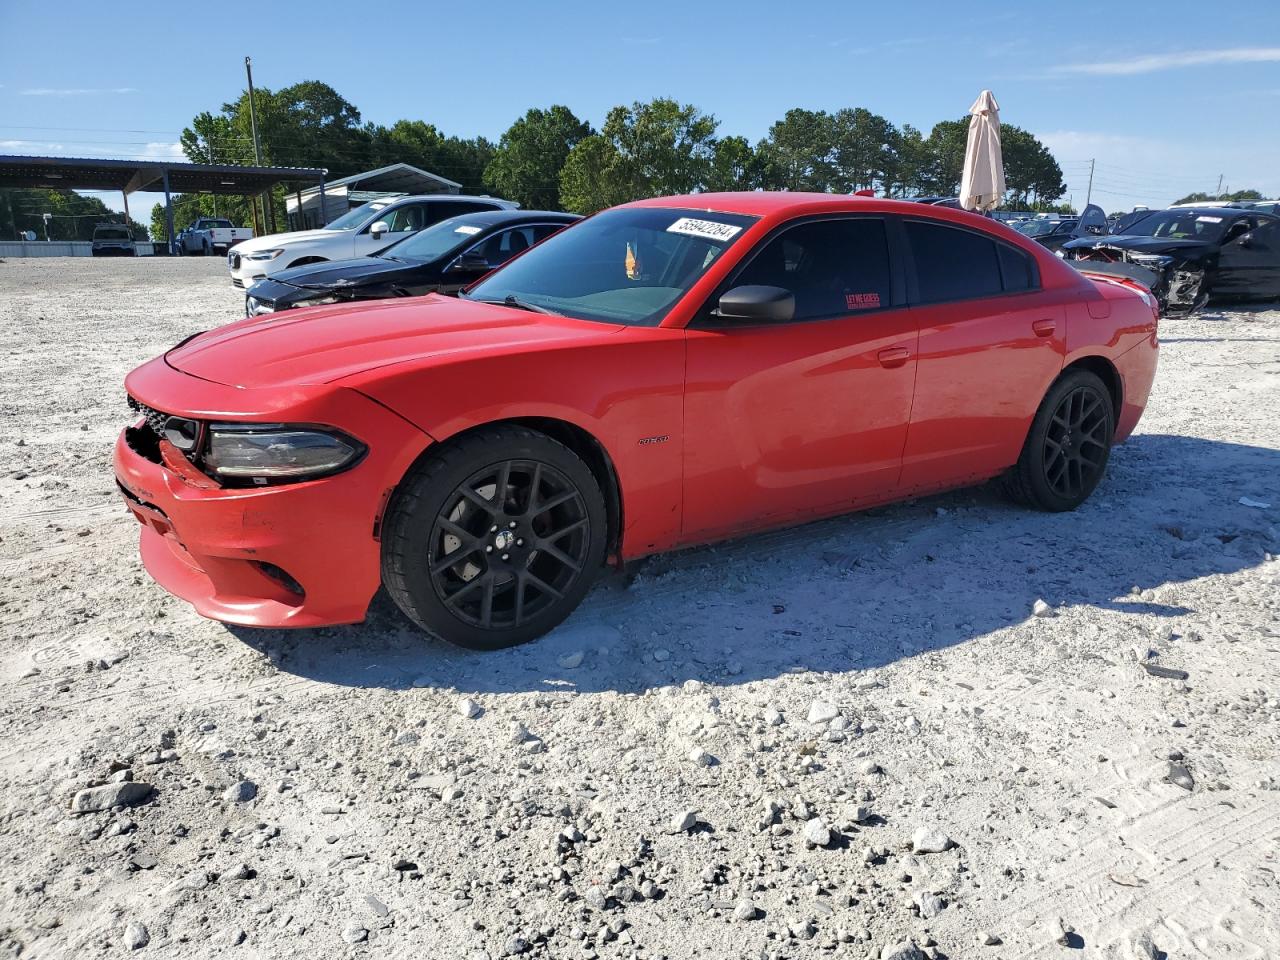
(808, 417)
(1249, 265)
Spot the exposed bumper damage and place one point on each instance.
(1178, 285)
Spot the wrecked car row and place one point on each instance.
(1187, 256)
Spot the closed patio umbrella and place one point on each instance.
(982, 183)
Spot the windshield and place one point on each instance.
(354, 218)
(435, 241)
(625, 265)
(112, 233)
(217, 224)
(1178, 225)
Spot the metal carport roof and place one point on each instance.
(150, 176)
(129, 176)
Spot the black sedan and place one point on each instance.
(1194, 254)
(443, 258)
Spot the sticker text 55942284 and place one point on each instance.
(706, 229)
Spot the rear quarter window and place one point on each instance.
(1017, 270)
(953, 263)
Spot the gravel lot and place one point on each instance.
(822, 742)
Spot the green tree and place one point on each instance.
(1029, 168)
(645, 150)
(527, 162)
(945, 163)
(798, 152)
(1220, 197)
(591, 179)
(912, 158)
(866, 151)
(734, 165)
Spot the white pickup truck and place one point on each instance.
(357, 233)
(210, 235)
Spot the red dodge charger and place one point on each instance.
(665, 373)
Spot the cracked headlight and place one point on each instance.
(277, 453)
(1150, 259)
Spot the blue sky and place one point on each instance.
(1166, 98)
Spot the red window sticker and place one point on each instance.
(862, 301)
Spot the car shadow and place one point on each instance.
(851, 593)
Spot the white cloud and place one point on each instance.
(164, 151)
(75, 91)
(1172, 61)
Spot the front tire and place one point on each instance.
(1066, 451)
(495, 538)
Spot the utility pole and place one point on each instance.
(1089, 195)
(253, 125)
(1219, 193)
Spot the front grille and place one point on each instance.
(155, 418)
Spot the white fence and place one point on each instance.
(62, 248)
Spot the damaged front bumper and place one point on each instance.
(1178, 285)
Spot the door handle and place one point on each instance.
(893, 356)
(1044, 328)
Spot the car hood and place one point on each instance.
(343, 273)
(271, 241)
(324, 344)
(1139, 244)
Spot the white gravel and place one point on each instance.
(1039, 746)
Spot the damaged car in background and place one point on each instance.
(1187, 256)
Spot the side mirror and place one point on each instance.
(1245, 239)
(470, 263)
(758, 303)
(379, 230)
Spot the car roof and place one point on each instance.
(761, 203)
(1214, 209)
(488, 218)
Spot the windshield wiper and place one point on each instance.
(511, 300)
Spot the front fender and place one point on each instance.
(628, 394)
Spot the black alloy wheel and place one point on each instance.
(495, 538)
(1076, 443)
(1067, 449)
(507, 543)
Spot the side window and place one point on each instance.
(834, 267)
(953, 263)
(501, 247)
(444, 209)
(1017, 269)
(411, 216)
(543, 230)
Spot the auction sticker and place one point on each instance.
(706, 229)
(1208, 219)
(466, 230)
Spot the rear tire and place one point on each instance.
(494, 539)
(1067, 448)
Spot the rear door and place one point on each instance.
(1249, 265)
(809, 417)
(990, 344)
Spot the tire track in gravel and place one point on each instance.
(1076, 894)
